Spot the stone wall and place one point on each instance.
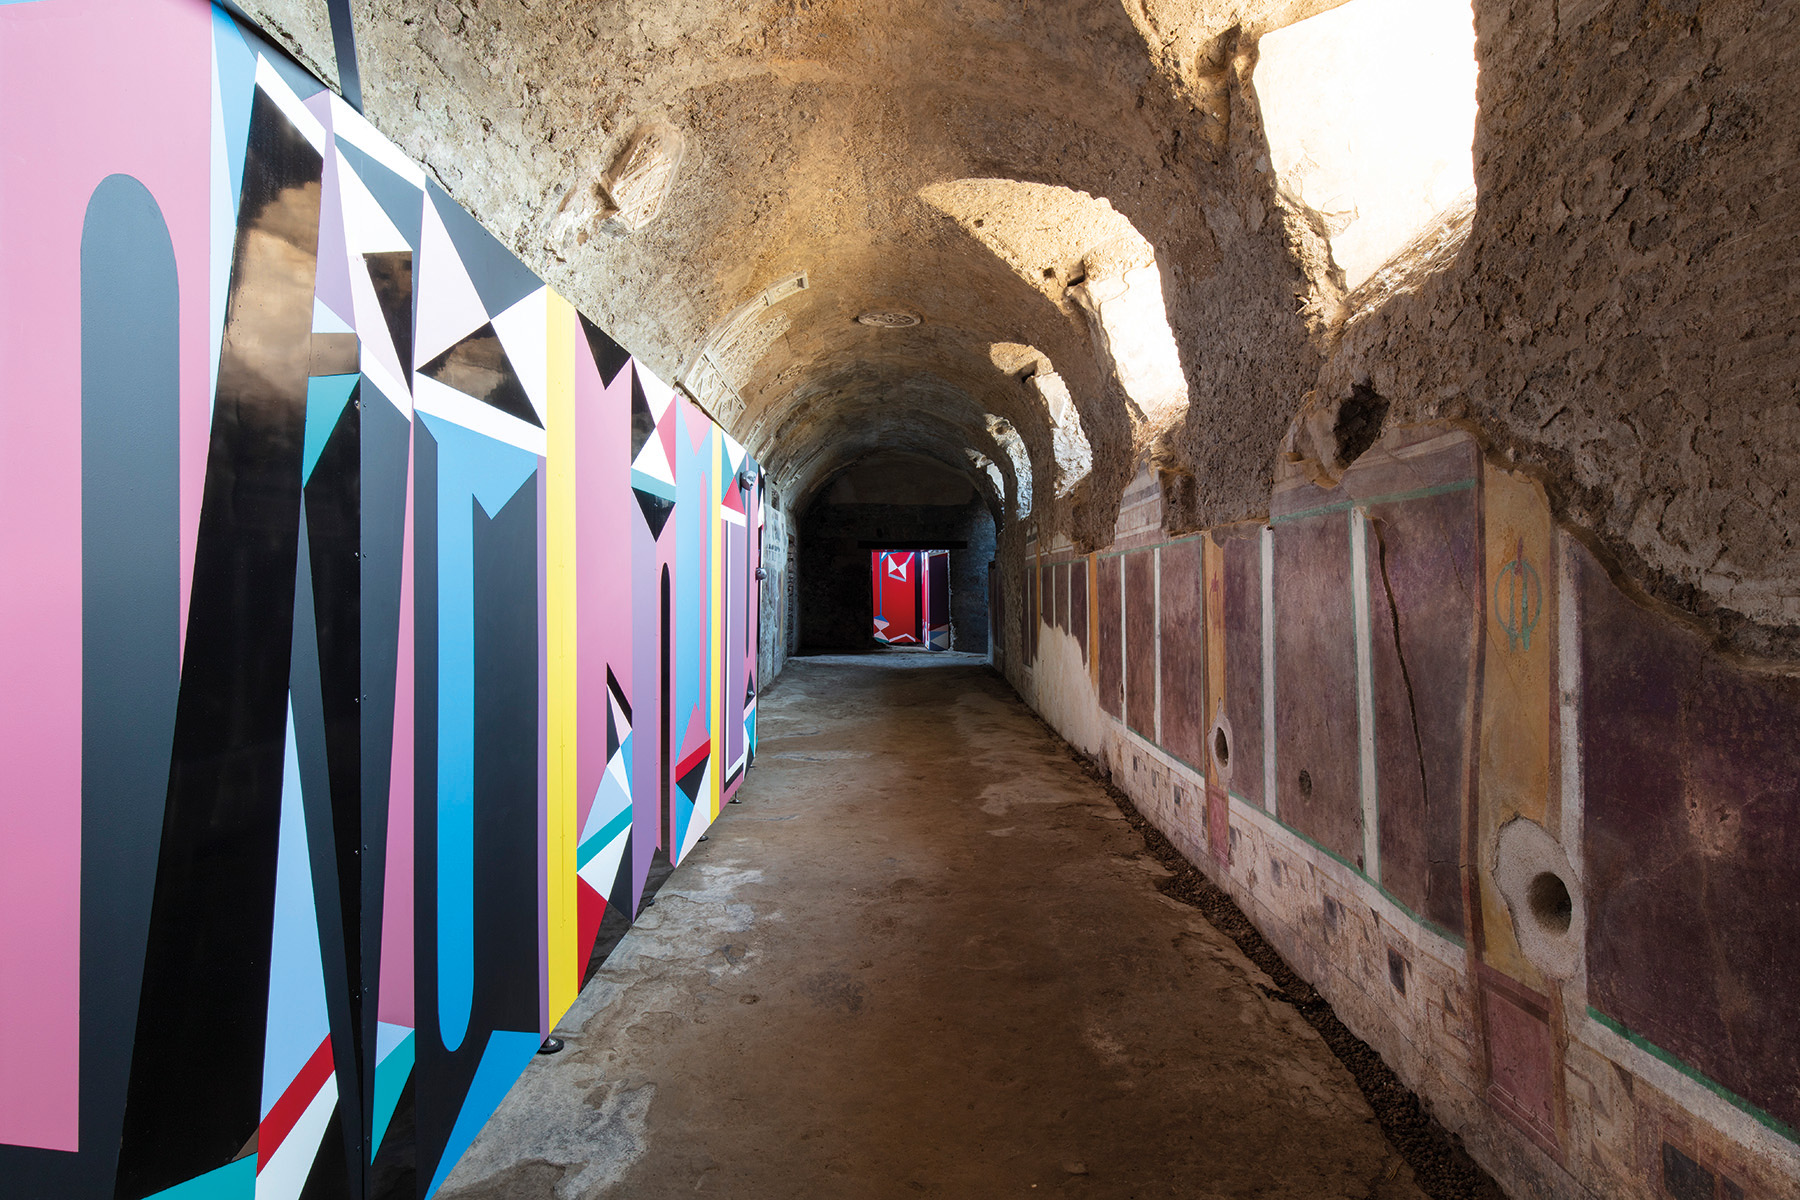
(1527, 828)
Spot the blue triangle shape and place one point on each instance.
(326, 396)
(236, 65)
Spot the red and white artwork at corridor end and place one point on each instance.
(911, 597)
(894, 576)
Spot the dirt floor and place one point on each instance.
(927, 955)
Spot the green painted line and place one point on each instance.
(601, 840)
(1436, 489)
(1773, 1123)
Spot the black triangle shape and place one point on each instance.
(613, 737)
(609, 356)
(620, 896)
(687, 783)
(392, 275)
(656, 510)
(477, 366)
(643, 425)
(618, 693)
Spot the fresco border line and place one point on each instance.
(1762, 1117)
(1425, 923)
(1336, 506)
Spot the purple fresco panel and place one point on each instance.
(1140, 642)
(1243, 664)
(1691, 846)
(1059, 596)
(1183, 618)
(1078, 605)
(91, 88)
(1318, 791)
(1112, 663)
(1425, 553)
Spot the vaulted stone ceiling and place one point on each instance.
(878, 148)
(1610, 308)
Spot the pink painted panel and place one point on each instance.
(603, 515)
(90, 88)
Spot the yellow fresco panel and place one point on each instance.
(1518, 675)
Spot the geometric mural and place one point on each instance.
(386, 620)
(911, 590)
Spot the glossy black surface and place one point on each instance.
(196, 1070)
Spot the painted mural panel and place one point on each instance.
(894, 576)
(318, 885)
(1140, 641)
(1242, 622)
(1691, 841)
(1422, 564)
(1110, 679)
(1185, 720)
(1078, 604)
(1318, 791)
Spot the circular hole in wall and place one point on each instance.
(1306, 783)
(1221, 748)
(1550, 904)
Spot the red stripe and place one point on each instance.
(693, 760)
(280, 1121)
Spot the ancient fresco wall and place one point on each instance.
(372, 620)
(1530, 833)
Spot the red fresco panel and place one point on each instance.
(1243, 664)
(1691, 846)
(1185, 719)
(1140, 643)
(1112, 675)
(1319, 791)
(1078, 605)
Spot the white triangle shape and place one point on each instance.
(652, 460)
(449, 308)
(658, 394)
(524, 331)
(367, 228)
(380, 360)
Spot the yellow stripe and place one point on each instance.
(559, 605)
(715, 446)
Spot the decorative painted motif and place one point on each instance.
(383, 619)
(1518, 599)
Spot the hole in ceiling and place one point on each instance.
(1370, 115)
(1122, 295)
(1069, 441)
(1002, 432)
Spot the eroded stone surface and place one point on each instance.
(1620, 315)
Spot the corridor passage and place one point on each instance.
(925, 956)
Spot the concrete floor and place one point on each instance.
(925, 957)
